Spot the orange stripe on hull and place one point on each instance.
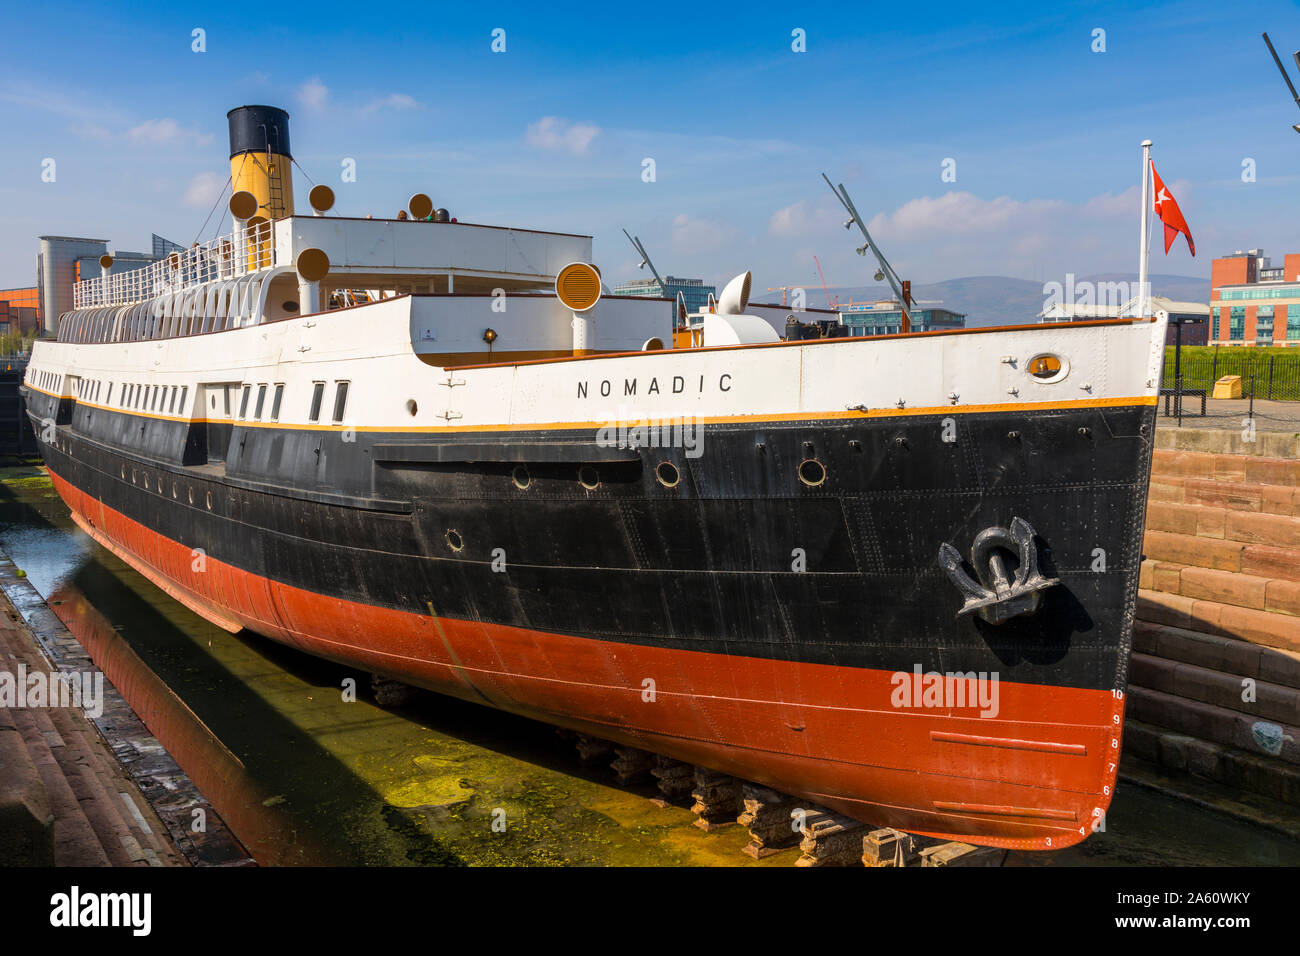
(1042, 768)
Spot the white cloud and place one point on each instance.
(962, 212)
(395, 101)
(165, 132)
(313, 94)
(204, 189)
(699, 235)
(90, 130)
(799, 220)
(554, 133)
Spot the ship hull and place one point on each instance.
(740, 619)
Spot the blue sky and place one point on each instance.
(553, 132)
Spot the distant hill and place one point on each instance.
(1002, 300)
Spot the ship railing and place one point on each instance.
(240, 253)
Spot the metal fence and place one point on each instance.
(1266, 374)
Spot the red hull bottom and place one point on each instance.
(1035, 776)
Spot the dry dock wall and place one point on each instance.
(1214, 686)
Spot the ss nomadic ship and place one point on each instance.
(894, 575)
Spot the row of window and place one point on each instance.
(1256, 292)
(277, 399)
(1265, 317)
(47, 380)
(171, 399)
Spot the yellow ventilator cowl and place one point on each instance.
(578, 286)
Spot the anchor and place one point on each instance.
(996, 596)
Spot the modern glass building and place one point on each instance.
(1253, 302)
(694, 291)
(886, 318)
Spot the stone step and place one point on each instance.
(1261, 560)
(1238, 769)
(1258, 699)
(27, 809)
(1249, 469)
(1225, 654)
(1223, 587)
(1265, 628)
(1228, 495)
(1229, 441)
(1216, 724)
(77, 764)
(1208, 521)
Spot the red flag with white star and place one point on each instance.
(1167, 209)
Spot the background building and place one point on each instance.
(63, 260)
(694, 291)
(1253, 302)
(20, 311)
(1192, 315)
(886, 317)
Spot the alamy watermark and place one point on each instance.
(41, 689)
(946, 691)
(682, 432)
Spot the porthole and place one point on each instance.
(145, 479)
(454, 540)
(812, 472)
(521, 477)
(133, 481)
(412, 407)
(175, 489)
(122, 470)
(666, 474)
(189, 494)
(208, 500)
(588, 477)
(1048, 368)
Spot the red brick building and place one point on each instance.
(1253, 302)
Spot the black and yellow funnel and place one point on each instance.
(260, 161)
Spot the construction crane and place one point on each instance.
(829, 304)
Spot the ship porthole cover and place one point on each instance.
(454, 540)
(666, 474)
(588, 477)
(521, 477)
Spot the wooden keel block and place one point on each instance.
(962, 854)
(831, 839)
(630, 764)
(769, 817)
(890, 847)
(593, 749)
(717, 799)
(674, 778)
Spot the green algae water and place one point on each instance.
(305, 776)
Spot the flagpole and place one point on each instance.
(1146, 206)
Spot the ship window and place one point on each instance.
(108, 399)
(243, 401)
(340, 401)
(317, 396)
(157, 392)
(185, 389)
(126, 397)
(139, 395)
(172, 407)
(261, 401)
(275, 403)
